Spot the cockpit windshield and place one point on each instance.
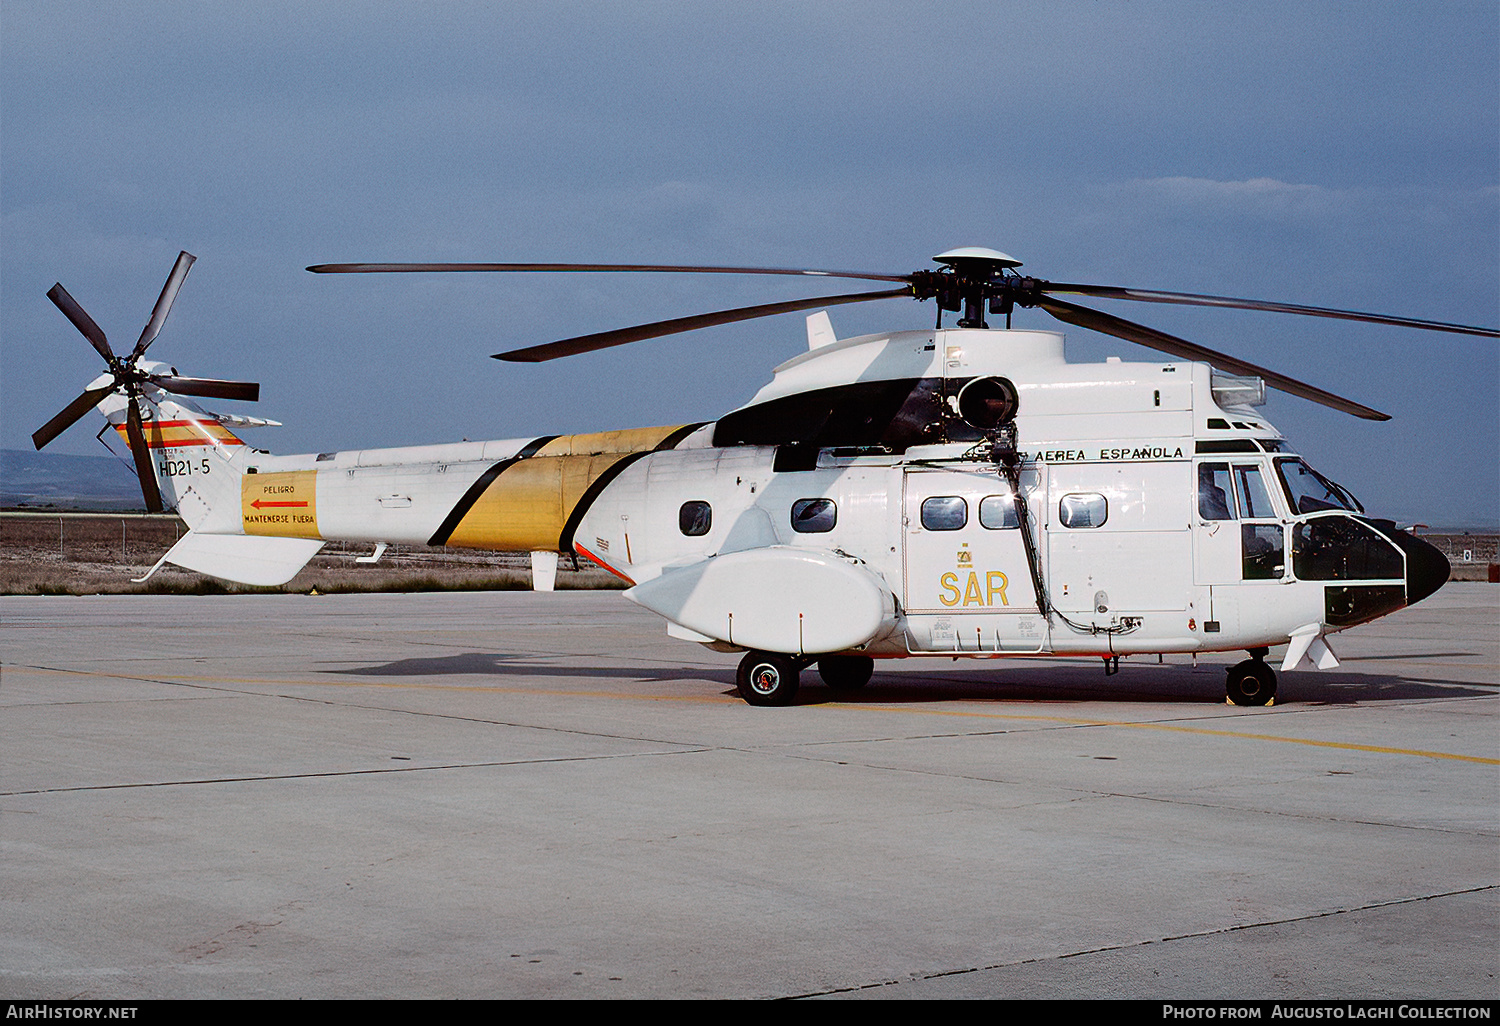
(1309, 491)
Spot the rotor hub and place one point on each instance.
(973, 277)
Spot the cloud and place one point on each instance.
(1271, 199)
(1261, 196)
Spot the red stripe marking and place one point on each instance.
(590, 556)
(158, 424)
(155, 441)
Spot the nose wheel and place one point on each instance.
(1251, 682)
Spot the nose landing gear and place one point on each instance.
(1251, 682)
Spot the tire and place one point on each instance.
(846, 673)
(768, 678)
(1251, 682)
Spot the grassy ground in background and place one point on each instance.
(74, 554)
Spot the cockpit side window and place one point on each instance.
(1263, 552)
(1255, 501)
(1215, 492)
(1238, 492)
(1340, 548)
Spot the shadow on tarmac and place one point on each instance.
(1063, 680)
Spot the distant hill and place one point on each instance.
(39, 479)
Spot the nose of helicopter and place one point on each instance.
(1427, 568)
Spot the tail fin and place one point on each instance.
(198, 464)
(197, 460)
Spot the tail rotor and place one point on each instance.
(129, 377)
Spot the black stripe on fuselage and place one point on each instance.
(462, 507)
(581, 507)
(675, 439)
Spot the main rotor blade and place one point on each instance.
(81, 320)
(69, 416)
(666, 268)
(142, 453)
(164, 302)
(247, 391)
(621, 336)
(1171, 344)
(1190, 299)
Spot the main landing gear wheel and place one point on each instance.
(1251, 682)
(768, 678)
(846, 673)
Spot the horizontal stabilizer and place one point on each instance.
(247, 559)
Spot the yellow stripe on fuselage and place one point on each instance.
(597, 443)
(528, 506)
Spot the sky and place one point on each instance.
(1330, 154)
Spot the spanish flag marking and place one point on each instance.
(173, 434)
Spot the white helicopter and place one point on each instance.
(957, 492)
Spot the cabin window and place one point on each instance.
(998, 513)
(695, 518)
(945, 513)
(1083, 509)
(814, 516)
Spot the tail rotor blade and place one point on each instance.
(164, 302)
(142, 453)
(81, 320)
(69, 416)
(1174, 346)
(247, 391)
